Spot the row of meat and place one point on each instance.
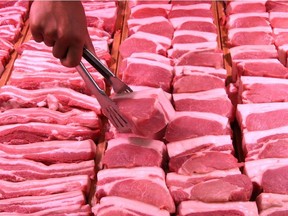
(180, 157)
(50, 125)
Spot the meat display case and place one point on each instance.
(217, 144)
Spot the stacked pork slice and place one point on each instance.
(180, 109)
(12, 18)
(261, 111)
(50, 125)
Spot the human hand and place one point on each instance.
(61, 25)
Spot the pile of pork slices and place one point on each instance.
(50, 125)
(179, 157)
(257, 34)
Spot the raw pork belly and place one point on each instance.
(214, 101)
(61, 99)
(14, 134)
(196, 208)
(221, 186)
(245, 20)
(272, 204)
(33, 204)
(112, 205)
(23, 169)
(133, 152)
(188, 124)
(269, 175)
(250, 36)
(278, 19)
(262, 90)
(57, 151)
(149, 111)
(150, 10)
(138, 71)
(43, 187)
(245, 6)
(144, 184)
(74, 117)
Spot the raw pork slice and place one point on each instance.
(277, 6)
(262, 116)
(190, 124)
(200, 59)
(221, 186)
(14, 134)
(45, 186)
(196, 208)
(192, 36)
(157, 25)
(144, 184)
(214, 101)
(23, 169)
(269, 175)
(245, 20)
(250, 36)
(61, 99)
(113, 205)
(67, 151)
(196, 81)
(134, 44)
(202, 162)
(283, 53)
(245, 6)
(253, 52)
(272, 204)
(152, 56)
(137, 71)
(149, 111)
(133, 152)
(34, 204)
(150, 10)
(188, 70)
(262, 90)
(262, 68)
(278, 19)
(196, 10)
(222, 143)
(197, 24)
(179, 49)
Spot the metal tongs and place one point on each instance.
(109, 108)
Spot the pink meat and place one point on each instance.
(277, 6)
(57, 98)
(219, 187)
(133, 152)
(263, 90)
(187, 70)
(200, 59)
(34, 204)
(278, 19)
(154, 113)
(14, 134)
(196, 124)
(147, 73)
(196, 82)
(272, 204)
(204, 162)
(74, 117)
(245, 7)
(253, 52)
(45, 186)
(214, 101)
(196, 10)
(23, 169)
(150, 10)
(196, 208)
(203, 26)
(245, 20)
(112, 205)
(49, 152)
(250, 36)
(192, 36)
(145, 184)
